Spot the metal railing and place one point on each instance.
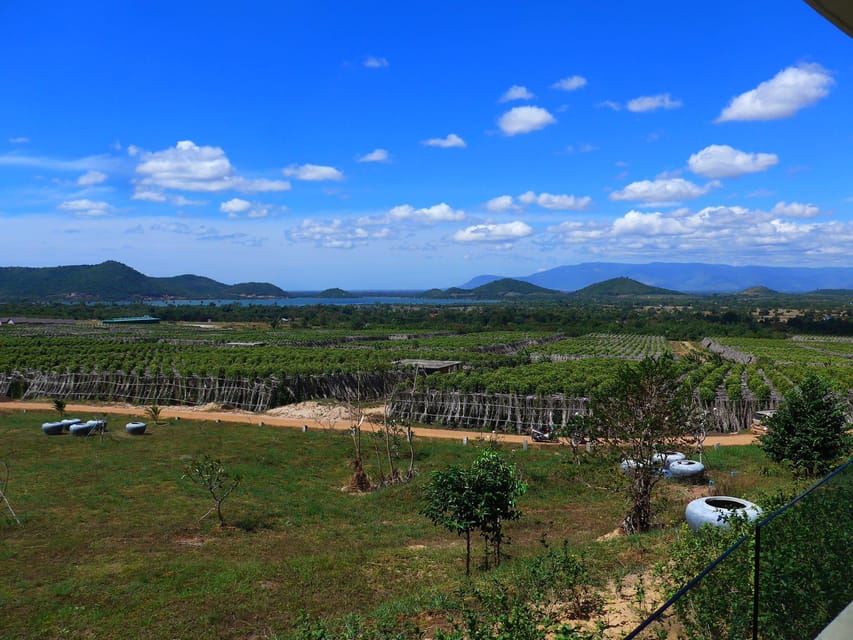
(787, 579)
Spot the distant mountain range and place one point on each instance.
(687, 277)
(114, 281)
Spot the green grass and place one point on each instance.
(111, 545)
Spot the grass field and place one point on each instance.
(111, 547)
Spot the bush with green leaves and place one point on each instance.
(808, 430)
(480, 499)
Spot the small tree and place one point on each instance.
(212, 476)
(482, 497)
(497, 487)
(59, 405)
(643, 412)
(450, 502)
(808, 431)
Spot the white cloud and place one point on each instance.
(493, 232)
(722, 161)
(516, 92)
(652, 103)
(610, 104)
(562, 202)
(91, 177)
(313, 172)
(96, 163)
(235, 205)
(188, 167)
(238, 208)
(19, 140)
(795, 210)
(181, 201)
(502, 204)
(782, 96)
(524, 120)
(441, 212)
(374, 62)
(637, 223)
(662, 190)
(331, 234)
(570, 84)
(452, 140)
(377, 155)
(148, 195)
(86, 207)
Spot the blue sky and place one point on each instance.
(411, 145)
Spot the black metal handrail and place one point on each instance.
(658, 613)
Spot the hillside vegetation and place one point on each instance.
(112, 281)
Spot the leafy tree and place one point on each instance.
(212, 476)
(480, 498)
(451, 502)
(644, 411)
(497, 487)
(808, 431)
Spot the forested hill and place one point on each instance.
(112, 280)
(623, 287)
(504, 289)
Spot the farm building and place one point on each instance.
(431, 366)
(136, 320)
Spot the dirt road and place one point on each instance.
(245, 417)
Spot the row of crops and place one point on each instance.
(297, 364)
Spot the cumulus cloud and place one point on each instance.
(524, 120)
(377, 155)
(562, 202)
(712, 234)
(782, 96)
(91, 177)
(516, 92)
(235, 205)
(502, 204)
(652, 103)
(795, 210)
(493, 232)
(239, 208)
(375, 62)
(637, 223)
(441, 212)
(610, 104)
(570, 83)
(452, 140)
(148, 195)
(313, 172)
(723, 161)
(85, 207)
(189, 167)
(662, 190)
(332, 234)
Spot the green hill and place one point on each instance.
(334, 293)
(623, 287)
(111, 281)
(759, 291)
(508, 288)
